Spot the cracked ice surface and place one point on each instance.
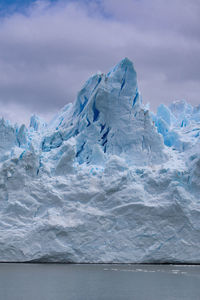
(105, 181)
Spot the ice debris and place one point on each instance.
(105, 181)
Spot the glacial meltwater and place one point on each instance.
(103, 282)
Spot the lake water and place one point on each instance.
(103, 282)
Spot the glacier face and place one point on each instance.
(105, 181)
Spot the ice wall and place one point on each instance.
(105, 181)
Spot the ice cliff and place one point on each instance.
(105, 181)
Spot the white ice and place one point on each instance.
(105, 181)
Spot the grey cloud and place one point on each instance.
(47, 55)
(174, 15)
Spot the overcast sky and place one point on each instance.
(48, 49)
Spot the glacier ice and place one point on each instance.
(106, 180)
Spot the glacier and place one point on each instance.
(105, 181)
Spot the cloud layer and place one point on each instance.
(47, 53)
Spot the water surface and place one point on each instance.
(103, 282)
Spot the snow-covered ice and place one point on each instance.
(106, 180)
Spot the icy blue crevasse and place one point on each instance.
(52, 142)
(85, 93)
